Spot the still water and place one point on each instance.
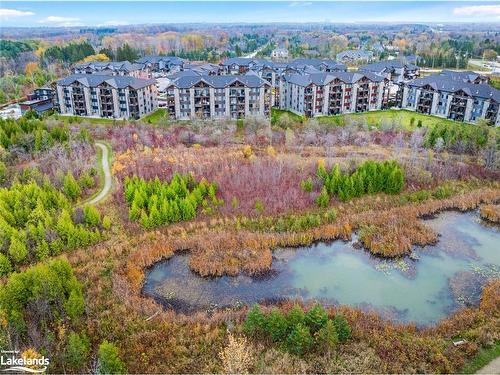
(424, 287)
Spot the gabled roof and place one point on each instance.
(440, 82)
(250, 80)
(387, 66)
(111, 65)
(466, 76)
(325, 78)
(244, 61)
(154, 59)
(355, 54)
(94, 80)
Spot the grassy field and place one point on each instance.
(407, 119)
(277, 113)
(160, 116)
(483, 357)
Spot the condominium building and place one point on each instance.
(452, 98)
(114, 68)
(354, 56)
(228, 96)
(333, 93)
(105, 96)
(158, 66)
(273, 72)
(396, 71)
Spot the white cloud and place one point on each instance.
(477, 10)
(300, 3)
(5, 13)
(61, 21)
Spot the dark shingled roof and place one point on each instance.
(387, 66)
(466, 76)
(185, 82)
(324, 78)
(441, 82)
(113, 65)
(156, 59)
(94, 80)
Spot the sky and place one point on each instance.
(108, 13)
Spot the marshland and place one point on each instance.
(368, 247)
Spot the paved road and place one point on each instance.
(107, 175)
(491, 368)
(251, 55)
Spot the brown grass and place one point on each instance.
(390, 232)
(491, 213)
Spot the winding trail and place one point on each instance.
(107, 175)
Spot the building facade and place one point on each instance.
(454, 99)
(324, 94)
(106, 96)
(218, 97)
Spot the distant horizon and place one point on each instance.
(38, 14)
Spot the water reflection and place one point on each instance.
(424, 288)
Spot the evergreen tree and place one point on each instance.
(316, 318)
(109, 359)
(255, 322)
(327, 337)
(342, 327)
(71, 187)
(295, 316)
(77, 351)
(300, 340)
(276, 325)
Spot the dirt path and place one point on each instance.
(107, 175)
(491, 368)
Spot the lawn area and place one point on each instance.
(277, 113)
(81, 119)
(407, 119)
(482, 358)
(160, 116)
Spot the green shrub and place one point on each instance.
(106, 223)
(70, 187)
(77, 351)
(276, 326)
(307, 185)
(299, 341)
(316, 318)
(323, 198)
(342, 328)
(295, 316)
(327, 338)
(91, 215)
(255, 322)
(109, 359)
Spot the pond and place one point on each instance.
(425, 287)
